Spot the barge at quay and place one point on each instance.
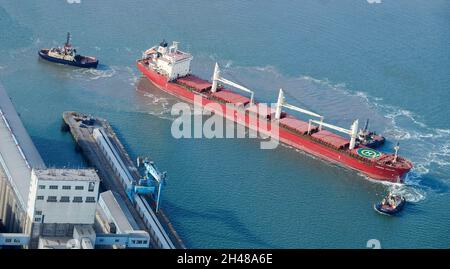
(168, 68)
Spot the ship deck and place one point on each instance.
(195, 83)
(297, 125)
(332, 139)
(230, 97)
(289, 123)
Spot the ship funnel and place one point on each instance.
(215, 78)
(354, 133)
(279, 104)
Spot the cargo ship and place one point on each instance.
(168, 68)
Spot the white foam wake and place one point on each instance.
(155, 100)
(411, 194)
(156, 106)
(94, 74)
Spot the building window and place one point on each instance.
(91, 186)
(64, 199)
(90, 199)
(77, 199)
(51, 199)
(38, 212)
(40, 197)
(42, 187)
(79, 188)
(66, 187)
(37, 219)
(53, 187)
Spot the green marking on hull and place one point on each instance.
(369, 153)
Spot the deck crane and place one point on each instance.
(217, 78)
(281, 102)
(353, 131)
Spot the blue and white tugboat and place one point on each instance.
(390, 205)
(68, 55)
(370, 139)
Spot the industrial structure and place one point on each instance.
(50, 208)
(140, 194)
(18, 156)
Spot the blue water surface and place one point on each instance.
(348, 59)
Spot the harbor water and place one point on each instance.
(387, 61)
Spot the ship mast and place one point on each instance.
(67, 40)
(217, 78)
(366, 126)
(282, 103)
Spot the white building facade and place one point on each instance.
(60, 196)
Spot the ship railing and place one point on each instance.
(388, 159)
(187, 87)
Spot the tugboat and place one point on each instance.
(368, 138)
(390, 205)
(68, 55)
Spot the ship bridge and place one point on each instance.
(170, 61)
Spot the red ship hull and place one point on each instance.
(372, 170)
